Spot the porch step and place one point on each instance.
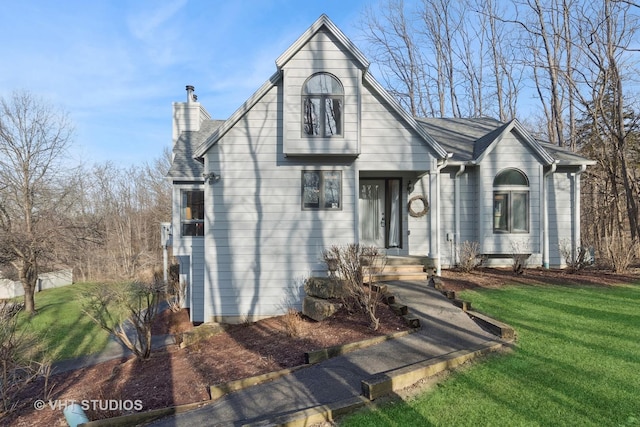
(396, 272)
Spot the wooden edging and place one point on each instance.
(387, 382)
(313, 415)
(143, 417)
(380, 385)
(221, 390)
(494, 326)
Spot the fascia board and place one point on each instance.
(237, 115)
(406, 116)
(529, 140)
(323, 20)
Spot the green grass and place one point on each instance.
(576, 363)
(65, 331)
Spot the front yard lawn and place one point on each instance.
(65, 330)
(576, 363)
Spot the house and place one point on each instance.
(322, 155)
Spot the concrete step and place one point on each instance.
(391, 277)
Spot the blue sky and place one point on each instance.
(116, 66)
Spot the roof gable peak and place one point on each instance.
(486, 144)
(322, 21)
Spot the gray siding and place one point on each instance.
(260, 243)
(450, 237)
(561, 208)
(190, 253)
(510, 152)
(388, 143)
(468, 206)
(420, 228)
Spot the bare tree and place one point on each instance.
(445, 58)
(122, 209)
(606, 31)
(34, 138)
(392, 36)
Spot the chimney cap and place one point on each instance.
(190, 95)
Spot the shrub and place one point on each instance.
(619, 252)
(353, 262)
(127, 312)
(20, 363)
(177, 291)
(469, 256)
(519, 256)
(577, 261)
(293, 322)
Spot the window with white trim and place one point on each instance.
(511, 202)
(192, 213)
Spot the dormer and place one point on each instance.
(322, 83)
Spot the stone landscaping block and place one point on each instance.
(411, 321)
(324, 287)
(319, 309)
(399, 309)
(376, 287)
(389, 299)
(199, 333)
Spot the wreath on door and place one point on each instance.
(418, 206)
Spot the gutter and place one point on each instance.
(456, 208)
(576, 213)
(442, 163)
(545, 215)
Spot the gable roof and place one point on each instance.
(470, 140)
(322, 22)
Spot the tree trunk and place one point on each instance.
(28, 274)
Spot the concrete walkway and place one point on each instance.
(337, 382)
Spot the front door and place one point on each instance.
(380, 212)
(372, 213)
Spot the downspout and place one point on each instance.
(545, 215)
(456, 208)
(576, 212)
(438, 168)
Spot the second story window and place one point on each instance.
(322, 101)
(192, 213)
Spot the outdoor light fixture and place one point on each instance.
(211, 177)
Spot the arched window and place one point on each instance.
(322, 100)
(510, 202)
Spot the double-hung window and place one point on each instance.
(511, 202)
(322, 101)
(192, 213)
